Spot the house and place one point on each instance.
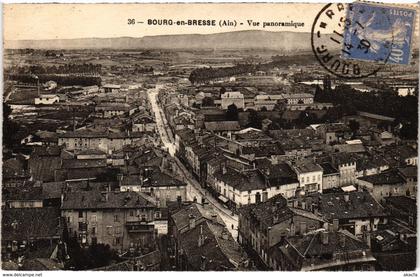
(99, 140)
(309, 175)
(108, 110)
(47, 99)
(237, 187)
(162, 187)
(400, 155)
(409, 174)
(29, 195)
(403, 208)
(201, 241)
(383, 137)
(121, 219)
(347, 167)
(223, 128)
(334, 132)
(384, 184)
(232, 97)
(147, 262)
(330, 176)
(356, 212)
(43, 162)
(143, 123)
(110, 88)
(263, 225)
(322, 250)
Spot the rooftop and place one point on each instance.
(359, 205)
(222, 126)
(389, 177)
(105, 200)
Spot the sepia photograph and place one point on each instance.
(209, 137)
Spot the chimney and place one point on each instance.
(203, 263)
(303, 205)
(225, 235)
(303, 228)
(295, 203)
(346, 197)
(292, 229)
(120, 178)
(324, 237)
(342, 239)
(367, 239)
(224, 169)
(335, 224)
(191, 221)
(200, 237)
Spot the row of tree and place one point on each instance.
(88, 68)
(385, 102)
(209, 73)
(64, 80)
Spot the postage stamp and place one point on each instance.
(378, 33)
(329, 44)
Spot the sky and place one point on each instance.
(64, 21)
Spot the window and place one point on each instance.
(319, 177)
(94, 218)
(69, 219)
(118, 230)
(131, 213)
(117, 241)
(116, 218)
(313, 178)
(109, 230)
(94, 231)
(80, 214)
(303, 180)
(307, 179)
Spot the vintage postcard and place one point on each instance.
(210, 137)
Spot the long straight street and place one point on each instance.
(194, 190)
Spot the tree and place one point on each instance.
(232, 113)
(207, 101)
(10, 128)
(254, 120)
(354, 126)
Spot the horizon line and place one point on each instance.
(161, 35)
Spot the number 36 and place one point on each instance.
(131, 21)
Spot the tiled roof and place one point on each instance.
(219, 253)
(250, 180)
(328, 169)
(42, 167)
(309, 253)
(86, 163)
(306, 166)
(270, 212)
(403, 202)
(97, 200)
(389, 177)
(360, 205)
(222, 126)
(408, 172)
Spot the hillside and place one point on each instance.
(286, 41)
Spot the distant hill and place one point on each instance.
(285, 41)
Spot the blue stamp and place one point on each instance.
(378, 33)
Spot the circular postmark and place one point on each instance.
(352, 40)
